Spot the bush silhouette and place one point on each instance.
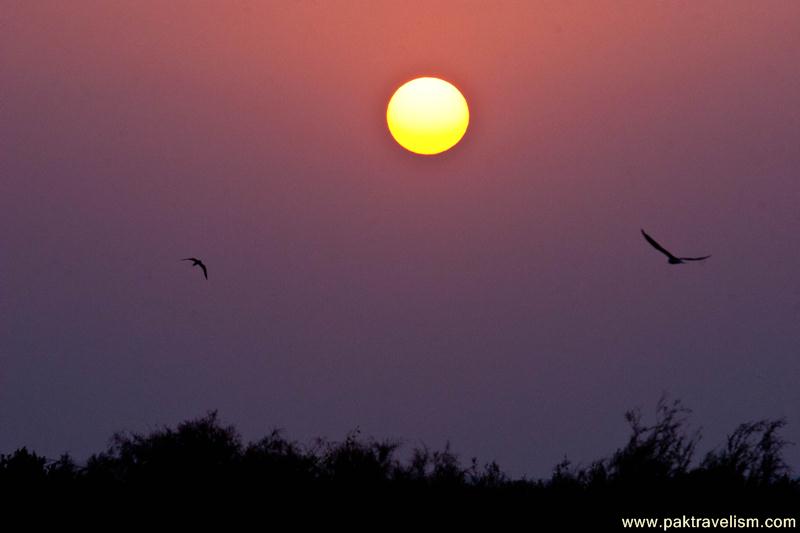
(23, 469)
(752, 456)
(198, 453)
(655, 470)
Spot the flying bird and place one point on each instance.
(197, 262)
(672, 260)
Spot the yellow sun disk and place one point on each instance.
(427, 116)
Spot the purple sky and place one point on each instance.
(498, 296)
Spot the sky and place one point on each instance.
(498, 296)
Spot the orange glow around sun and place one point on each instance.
(427, 116)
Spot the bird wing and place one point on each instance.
(655, 245)
(205, 272)
(189, 259)
(694, 258)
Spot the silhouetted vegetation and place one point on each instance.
(655, 473)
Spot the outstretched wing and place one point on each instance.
(190, 259)
(205, 272)
(655, 245)
(694, 258)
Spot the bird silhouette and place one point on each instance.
(197, 262)
(672, 260)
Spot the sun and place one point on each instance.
(427, 116)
